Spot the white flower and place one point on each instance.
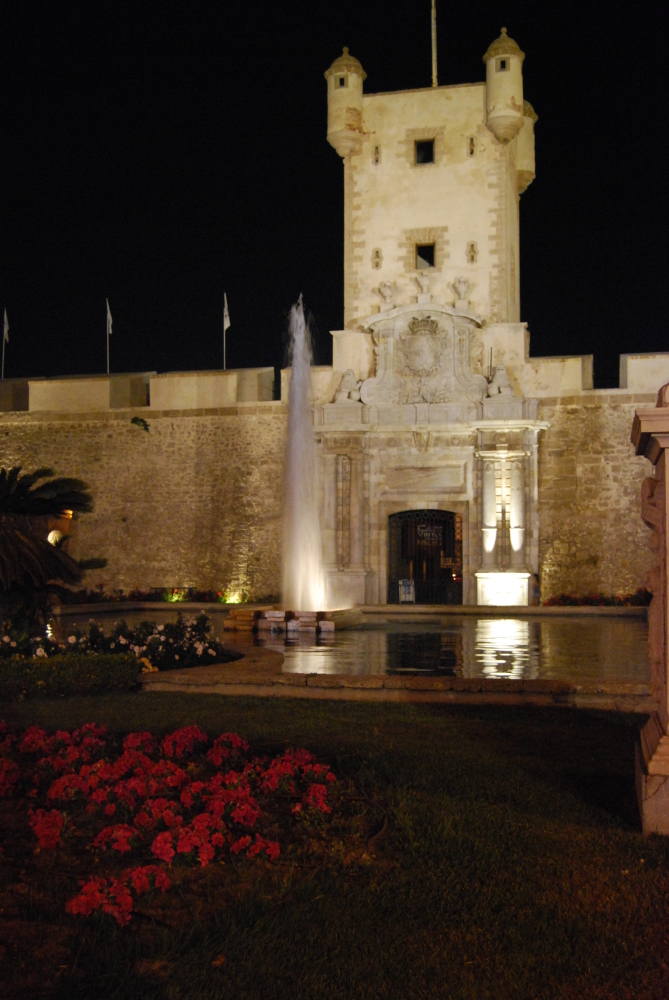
(5, 638)
(124, 642)
(162, 638)
(39, 651)
(12, 643)
(160, 628)
(71, 639)
(211, 652)
(176, 656)
(112, 645)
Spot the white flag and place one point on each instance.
(109, 319)
(226, 314)
(5, 336)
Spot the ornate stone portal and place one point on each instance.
(650, 437)
(429, 433)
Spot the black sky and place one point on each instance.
(163, 154)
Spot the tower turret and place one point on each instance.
(525, 155)
(344, 79)
(504, 88)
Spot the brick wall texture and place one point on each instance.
(197, 500)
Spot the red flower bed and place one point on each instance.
(182, 800)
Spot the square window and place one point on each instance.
(425, 151)
(502, 65)
(341, 81)
(424, 256)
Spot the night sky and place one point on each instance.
(161, 155)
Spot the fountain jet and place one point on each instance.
(303, 576)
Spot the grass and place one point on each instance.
(512, 865)
(60, 676)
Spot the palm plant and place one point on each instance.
(29, 564)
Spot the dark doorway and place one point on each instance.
(426, 546)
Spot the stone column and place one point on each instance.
(357, 557)
(343, 533)
(650, 437)
(489, 529)
(517, 513)
(329, 470)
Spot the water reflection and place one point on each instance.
(507, 647)
(592, 649)
(437, 653)
(608, 650)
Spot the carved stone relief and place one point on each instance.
(423, 357)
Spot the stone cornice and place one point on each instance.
(650, 432)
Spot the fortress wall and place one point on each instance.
(196, 501)
(592, 538)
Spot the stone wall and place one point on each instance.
(592, 538)
(196, 501)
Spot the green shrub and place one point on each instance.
(70, 674)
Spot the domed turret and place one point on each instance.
(344, 79)
(504, 88)
(525, 154)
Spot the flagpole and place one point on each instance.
(226, 324)
(109, 330)
(5, 340)
(434, 43)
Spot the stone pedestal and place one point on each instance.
(650, 437)
(503, 589)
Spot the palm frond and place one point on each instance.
(20, 494)
(27, 560)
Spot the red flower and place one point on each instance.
(9, 775)
(119, 834)
(182, 742)
(239, 845)
(162, 847)
(47, 827)
(139, 741)
(198, 803)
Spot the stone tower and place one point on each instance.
(432, 179)
(413, 418)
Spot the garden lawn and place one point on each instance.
(510, 866)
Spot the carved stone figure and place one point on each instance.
(349, 388)
(423, 281)
(501, 383)
(386, 290)
(461, 287)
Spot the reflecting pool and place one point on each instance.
(587, 649)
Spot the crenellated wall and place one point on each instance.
(196, 501)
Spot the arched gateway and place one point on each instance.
(425, 546)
